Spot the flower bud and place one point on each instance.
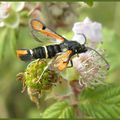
(32, 76)
(33, 73)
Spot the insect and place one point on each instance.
(61, 53)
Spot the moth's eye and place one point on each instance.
(80, 38)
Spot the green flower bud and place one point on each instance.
(33, 73)
(31, 76)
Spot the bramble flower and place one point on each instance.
(92, 31)
(9, 13)
(4, 7)
(90, 65)
(92, 68)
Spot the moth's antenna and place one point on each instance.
(108, 66)
(84, 37)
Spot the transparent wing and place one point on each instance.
(42, 33)
(44, 40)
(61, 61)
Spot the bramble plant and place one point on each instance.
(88, 89)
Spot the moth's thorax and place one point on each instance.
(74, 46)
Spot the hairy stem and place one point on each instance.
(76, 89)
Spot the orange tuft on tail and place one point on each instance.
(21, 52)
(24, 55)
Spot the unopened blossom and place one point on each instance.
(4, 7)
(92, 31)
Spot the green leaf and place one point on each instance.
(33, 113)
(59, 110)
(101, 102)
(68, 113)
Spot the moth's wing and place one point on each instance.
(61, 61)
(41, 38)
(43, 33)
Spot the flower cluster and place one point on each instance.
(91, 66)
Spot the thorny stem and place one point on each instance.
(76, 89)
(73, 97)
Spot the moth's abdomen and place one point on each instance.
(39, 52)
(46, 51)
(52, 50)
(24, 54)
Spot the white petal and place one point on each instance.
(79, 38)
(92, 31)
(87, 20)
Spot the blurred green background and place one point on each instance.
(16, 34)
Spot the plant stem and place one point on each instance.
(76, 89)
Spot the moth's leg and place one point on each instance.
(32, 63)
(69, 60)
(71, 64)
(44, 71)
(78, 55)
